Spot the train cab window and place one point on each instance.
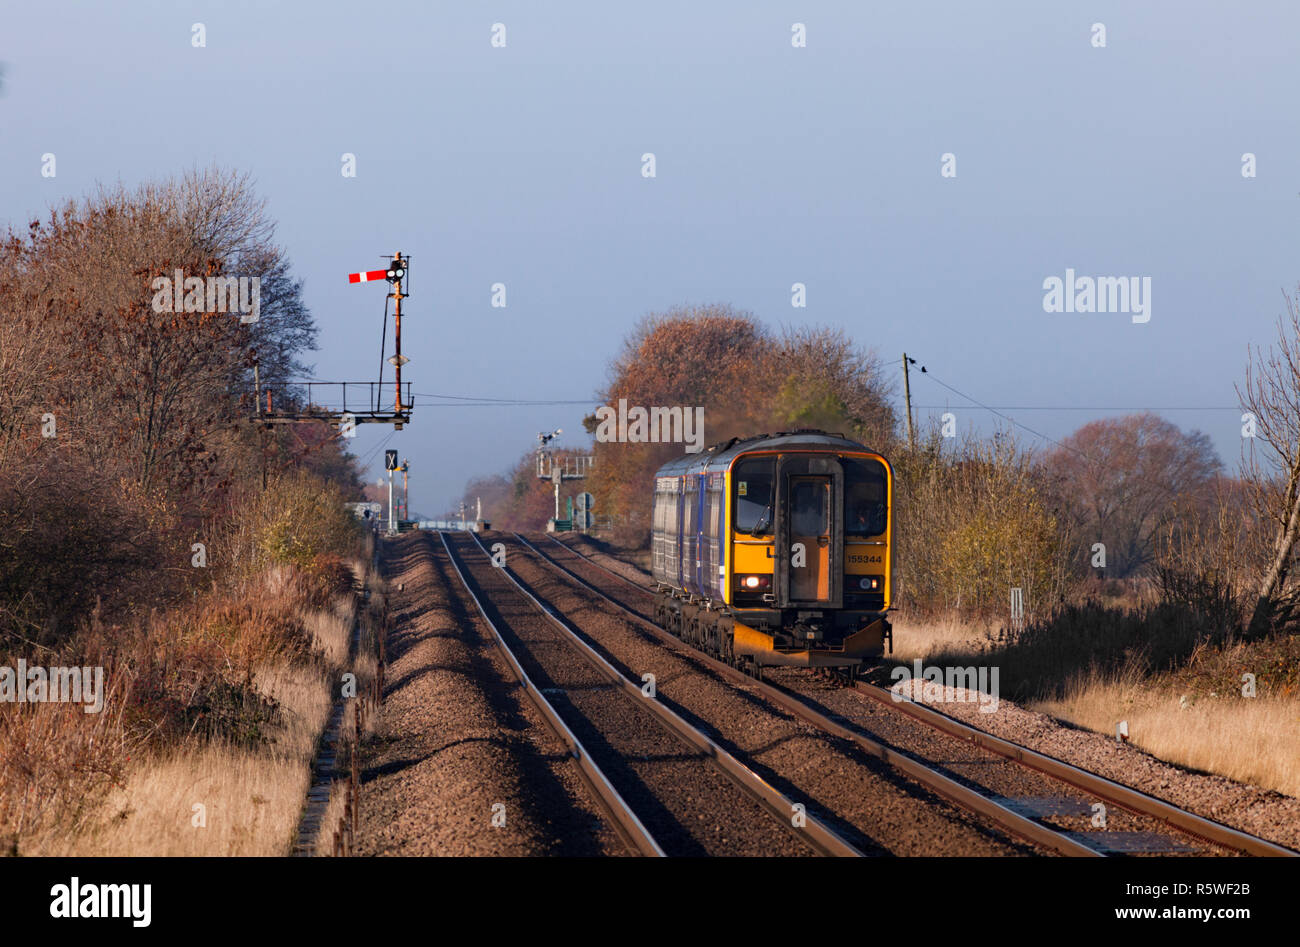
(808, 503)
(752, 495)
(865, 512)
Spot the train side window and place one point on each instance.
(865, 501)
(752, 495)
(690, 496)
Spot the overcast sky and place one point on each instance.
(774, 165)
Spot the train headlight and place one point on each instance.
(752, 583)
(870, 583)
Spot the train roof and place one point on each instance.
(721, 455)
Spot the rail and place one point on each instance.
(1114, 793)
(821, 836)
(634, 834)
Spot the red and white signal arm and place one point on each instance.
(368, 276)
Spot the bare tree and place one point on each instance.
(1272, 398)
(215, 208)
(1121, 481)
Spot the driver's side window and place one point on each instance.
(752, 495)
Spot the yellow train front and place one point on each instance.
(776, 550)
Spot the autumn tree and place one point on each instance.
(748, 381)
(521, 499)
(131, 420)
(826, 381)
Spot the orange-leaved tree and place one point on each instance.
(746, 379)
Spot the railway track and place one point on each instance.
(633, 833)
(1173, 825)
(692, 796)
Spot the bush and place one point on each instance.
(969, 526)
(326, 578)
(187, 693)
(301, 516)
(70, 538)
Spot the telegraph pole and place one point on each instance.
(907, 395)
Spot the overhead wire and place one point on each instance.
(1005, 417)
(376, 449)
(468, 401)
(1079, 407)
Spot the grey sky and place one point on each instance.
(775, 165)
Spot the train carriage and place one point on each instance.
(775, 550)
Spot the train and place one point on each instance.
(776, 550)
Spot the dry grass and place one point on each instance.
(56, 761)
(252, 796)
(914, 639)
(1252, 740)
(331, 630)
(305, 697)
(251, 804)
(1041, 660)
(1174, 716)
(220, 693)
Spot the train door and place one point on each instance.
(810, 533)
(810, 539)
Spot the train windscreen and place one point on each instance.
(865, 500)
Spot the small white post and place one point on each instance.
(392, 524)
